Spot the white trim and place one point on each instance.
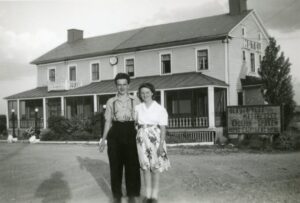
(69, 66)
(62, 105)
(44, 113)
(162, 98)
(18, 114)
(201, 48)
(48, 75)
(7, 115)
(126, 53)
(211, 106)
(95, 103)
(124, 65)
(91, 71)
(226, 71)
(165, 52)
(261, 24)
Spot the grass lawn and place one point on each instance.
(79, 173)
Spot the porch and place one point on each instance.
(195, 103)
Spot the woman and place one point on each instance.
(152, 120)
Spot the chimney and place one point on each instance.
(237, 7)
(74, 35)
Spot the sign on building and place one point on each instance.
(258, 119)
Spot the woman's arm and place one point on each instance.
(160, 150)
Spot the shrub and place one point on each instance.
(3, 127)
(82, 136)
(97, 125)
(288, 140)
(28, 133)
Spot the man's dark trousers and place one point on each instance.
(122, 153)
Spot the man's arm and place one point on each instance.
(105, 132)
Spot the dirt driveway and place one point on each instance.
(79, 173)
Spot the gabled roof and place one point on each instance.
(181, 80)
(171, 34)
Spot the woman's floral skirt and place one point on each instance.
(148, 139)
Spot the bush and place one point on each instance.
(59, 125)
(97, 125)
(288, 140)
(82, 136)
(28, 133)
(3, 127)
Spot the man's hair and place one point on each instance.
(122, 76)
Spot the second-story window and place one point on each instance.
(252, 61)
(72, 73)
(52, 75)
(202, 59)
(129, 64)
(165, 63)
(95, 71)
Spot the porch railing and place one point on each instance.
(27, 123)
(63, 85)
(191, 136)
(188, 122)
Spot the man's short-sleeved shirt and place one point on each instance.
(121, 108)
(155, 114)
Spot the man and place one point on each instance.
(119, 129)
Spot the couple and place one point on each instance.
(131, 149)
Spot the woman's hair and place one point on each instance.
(148, 86)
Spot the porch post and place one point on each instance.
(95, 103)
(211, 107)
(162, 97)
(7, 114)
(44, 113)
(62, 104)
(18, 113)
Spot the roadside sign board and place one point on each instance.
(258, 119)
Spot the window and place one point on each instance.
(165, 63)
(240, 98)
(51, 74)
(72, 73)
(244, 56)
(95, 71)
(243, 31)
(252, 58)
(259, 36)
(202, 59)
(129, 63)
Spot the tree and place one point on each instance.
(277, 81)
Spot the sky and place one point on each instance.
(28, 29)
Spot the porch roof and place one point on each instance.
(181, 80)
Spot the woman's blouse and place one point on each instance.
(155, 114)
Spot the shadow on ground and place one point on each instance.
(54, 189)
(100, 172)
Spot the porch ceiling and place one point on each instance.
(182, 80)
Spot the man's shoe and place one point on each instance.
(132, 200)
(154, 201)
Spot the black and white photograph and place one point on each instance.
(147, 101)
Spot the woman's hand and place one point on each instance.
(160, 150)
(102, 144)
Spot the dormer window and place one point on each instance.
(51, 74)
(165, 63)
(129, 66)
(95, 71)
